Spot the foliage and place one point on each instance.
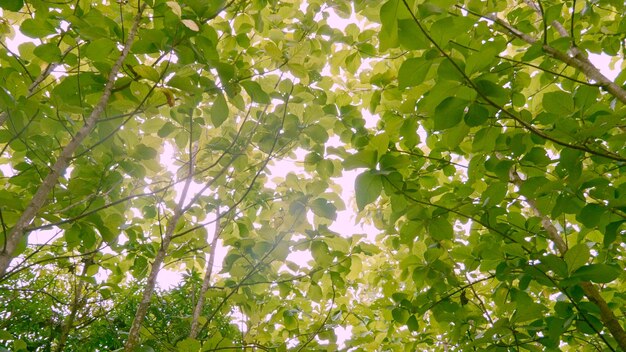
(42, 302)
(489, 153)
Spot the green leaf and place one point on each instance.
(315, 292)
(492, 90)
(494, 194)
(410, 36)
(324, 208)
(48, 52)
(219, 111)
(447, 71)
(143, 152)
(364, 158)
(590, 325)
(480, 60)
(321, 254)
(255, 91)
(412, 72)
(99, 49)
(388, 35)
(585, 96)
(528, 311)
(367, 188)
(485, 139)
(591, 215)
(476, 115)
(576, 256)
(553, 13)
(166, 130)
(400, 315)
(380, 143)
(5, 335)
(12, 5)
(412, 323)
(189, 344)
(598, 273)
(6, 100)
(148, 72)
(610, 234)
(559, 102)
(555, 264)
(317, 133)
(449, 113)
(533, 52)
(20, 345)
(537, 156)
(569, 159)
(37, 28)
(440, 229)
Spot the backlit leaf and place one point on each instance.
(367, 188)
(591, 215)
(388, 35)
(191, 25)
(48, 52)
(324, 208)
(600, 273)
(36, 28)
(449, 113)
(576, 256)
(412, 72)
(148, 72)
(440, 229)
(256, 92)
(219, 111)
(558, 102)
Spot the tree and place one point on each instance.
(494, 174)
(38, 306)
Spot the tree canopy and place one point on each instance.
(489, 148)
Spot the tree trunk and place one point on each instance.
(207, 279)
(133, 335)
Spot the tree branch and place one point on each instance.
(607, 316)
(578, 62)
(38, 200)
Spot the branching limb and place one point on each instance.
(578, 62)
(78, 301)
(38, 200)
(610, 321)
(323, 323)
(142, 309)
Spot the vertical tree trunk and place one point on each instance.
(133, 335)
(144, 304)
(197, 310)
